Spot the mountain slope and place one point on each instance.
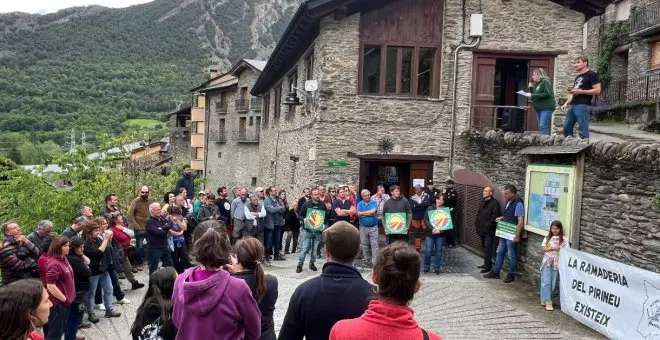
(91, 68)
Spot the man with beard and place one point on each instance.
(224, 205)
(138, 214)
(186, 181)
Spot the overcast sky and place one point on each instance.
(48, 6)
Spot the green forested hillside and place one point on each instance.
(93, 68)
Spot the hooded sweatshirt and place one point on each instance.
(381, 321)
(59, 273)
(215, 306)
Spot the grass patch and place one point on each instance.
(143, 123)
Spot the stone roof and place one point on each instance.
(633, 152)
(258, 64)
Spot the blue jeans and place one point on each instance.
(140, 236)
(106, 284)
(57, 318)
(506, 246)
(548, 282)
(159, 254)
(544, 118)
(72, 324)
(311, 240)
(577, 113)
(273, 240)
(429, 243)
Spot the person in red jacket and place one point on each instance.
(61, 287)
(388, 317)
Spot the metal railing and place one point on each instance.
(242, 105)
(631, 90)
(221, 107)
(218, 136)
(246, 136)
(255, 104)
(510, 118)
(645, 19)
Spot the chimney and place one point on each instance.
(213, 72)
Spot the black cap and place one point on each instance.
(449, 181)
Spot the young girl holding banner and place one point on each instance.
(550, 263)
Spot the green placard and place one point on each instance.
(506, 230)
(337, 163)
(441, 219)
(315, 219)
(395, 223)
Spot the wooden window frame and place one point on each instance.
(278, 102)
(196, 150)
(655, 44)
(435, 80)
(266, 109)
(309, 66)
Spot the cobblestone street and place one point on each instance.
(457, 304)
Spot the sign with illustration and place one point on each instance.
(395, 223)
(506, 230)
(315, 219)
(550, 197)
(617, 300)
(441, 219)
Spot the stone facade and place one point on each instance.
(344, 121)
(234, 160)
(618, 221)
(180, 137)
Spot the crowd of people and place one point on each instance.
(226, 291)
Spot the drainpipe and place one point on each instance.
(207, 117)
(453, 100)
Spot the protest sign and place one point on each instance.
(395, 223)
(441, 219)
(617, 300)
(315, 219)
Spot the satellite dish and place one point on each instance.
(311, 85)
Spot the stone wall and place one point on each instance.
(232, 163)
(618, 218)
(179, 147)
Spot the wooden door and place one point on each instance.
(419, 170)
(242, 128)
(531, 123)
(483, 92)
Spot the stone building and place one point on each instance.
(232, 126)
(179, 124)
(383, 110)
(635, 65)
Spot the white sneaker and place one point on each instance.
(124, 301)
(99, 307)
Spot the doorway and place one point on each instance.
(496, 79)
(375, 172)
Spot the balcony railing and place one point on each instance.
(631, 90)
(218, 136)
(221, 108)
(246, 136)
(242, 105)
(508, 118)
(645, 20)
(255, 104)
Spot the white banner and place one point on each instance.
(617, 300)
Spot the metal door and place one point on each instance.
(469, 202)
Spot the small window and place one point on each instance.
(198, 127)
(253, 182)
(655, 55)
(251, 122)
(266, 109)
(425, 71)
(293, 82)
(278, 102)
(199, 153)
(219, 154)
(371, 69)
(309, 66)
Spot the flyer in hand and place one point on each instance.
(506, 230)
(315, 219)
(441, 219)
(395, 223)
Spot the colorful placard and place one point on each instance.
(395, 223)
(315, 219)
(441, 219)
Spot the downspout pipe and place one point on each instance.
(460, 47)
(207, 117)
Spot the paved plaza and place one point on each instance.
(457, 304)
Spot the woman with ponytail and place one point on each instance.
(153, 319)
(245, 265)
(396, 273)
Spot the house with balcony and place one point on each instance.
(632, 85)
(232, 126)
(382, 100)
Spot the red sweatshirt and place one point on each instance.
(381, 321)
(59, 273)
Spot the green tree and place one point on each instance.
(29, 153)
(49, 150)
